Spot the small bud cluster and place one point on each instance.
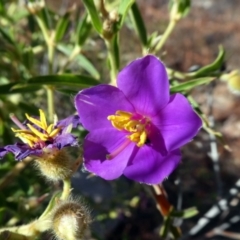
(70, 219)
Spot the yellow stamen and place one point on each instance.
(42, 136)
(38, 131)
(43, 119)
(137, 126)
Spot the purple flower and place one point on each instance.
(40, 138)
(137, 128)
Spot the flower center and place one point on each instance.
(136, 125)
(37, 131)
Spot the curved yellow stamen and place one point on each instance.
(38, 131)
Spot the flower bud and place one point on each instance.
(109, 25)
(35, 7)
(233, 81)
(70, 220)
(55, 165)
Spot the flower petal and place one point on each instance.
(147, 165)
(20, 151)
(95, 104)
(98, 144)
(178, 123)
(64, 140)
(145, 84)
(74, 120)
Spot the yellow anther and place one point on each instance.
(135, 125)
(54, 132)
(49, 128)
(43, 119)
(34, 121)
(42, 136)
(38, 131)
(124, 114)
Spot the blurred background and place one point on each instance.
(123, 209)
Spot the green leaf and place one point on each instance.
(28, 58)
(68, 91)
(87, 65)
(190, 84)
(44, 15)
(186, 213)
(10, 88)
(122, 11)
(63, 80)
(180, 7)
(216, 65)
(83, 29)
(139, 24)
(62, 26)
(184, 7)
(96, 21)
(6, 36)
(81, 59)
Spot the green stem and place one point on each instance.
(66, 189)
(49, 39)
(30, 231)
(166, 34)
(50, 102)
(112, 62)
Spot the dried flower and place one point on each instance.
(137, 128)
(39, 138)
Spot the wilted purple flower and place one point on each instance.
(39, 138)
(137, 128)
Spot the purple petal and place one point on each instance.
(74, 120)
(3, 152)
(145, 84)
(178, 123)
(95, 104)
(98, 144)
(64, 140)
(20, 151)
(148, 166)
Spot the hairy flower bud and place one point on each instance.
(70, 220)
(55, 165)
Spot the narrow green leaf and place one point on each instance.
(63, 80)
(96, 21)
(216, 65)
(83, 29)
(88, 66)
(139, 24)
(28, 58)
(81, 60)
(68, 91)
(190, 84)
(182, 8)
(44, 15)
(11, 88)
(122, 11)
(62, 26)
(6, 36)
(186, 213)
